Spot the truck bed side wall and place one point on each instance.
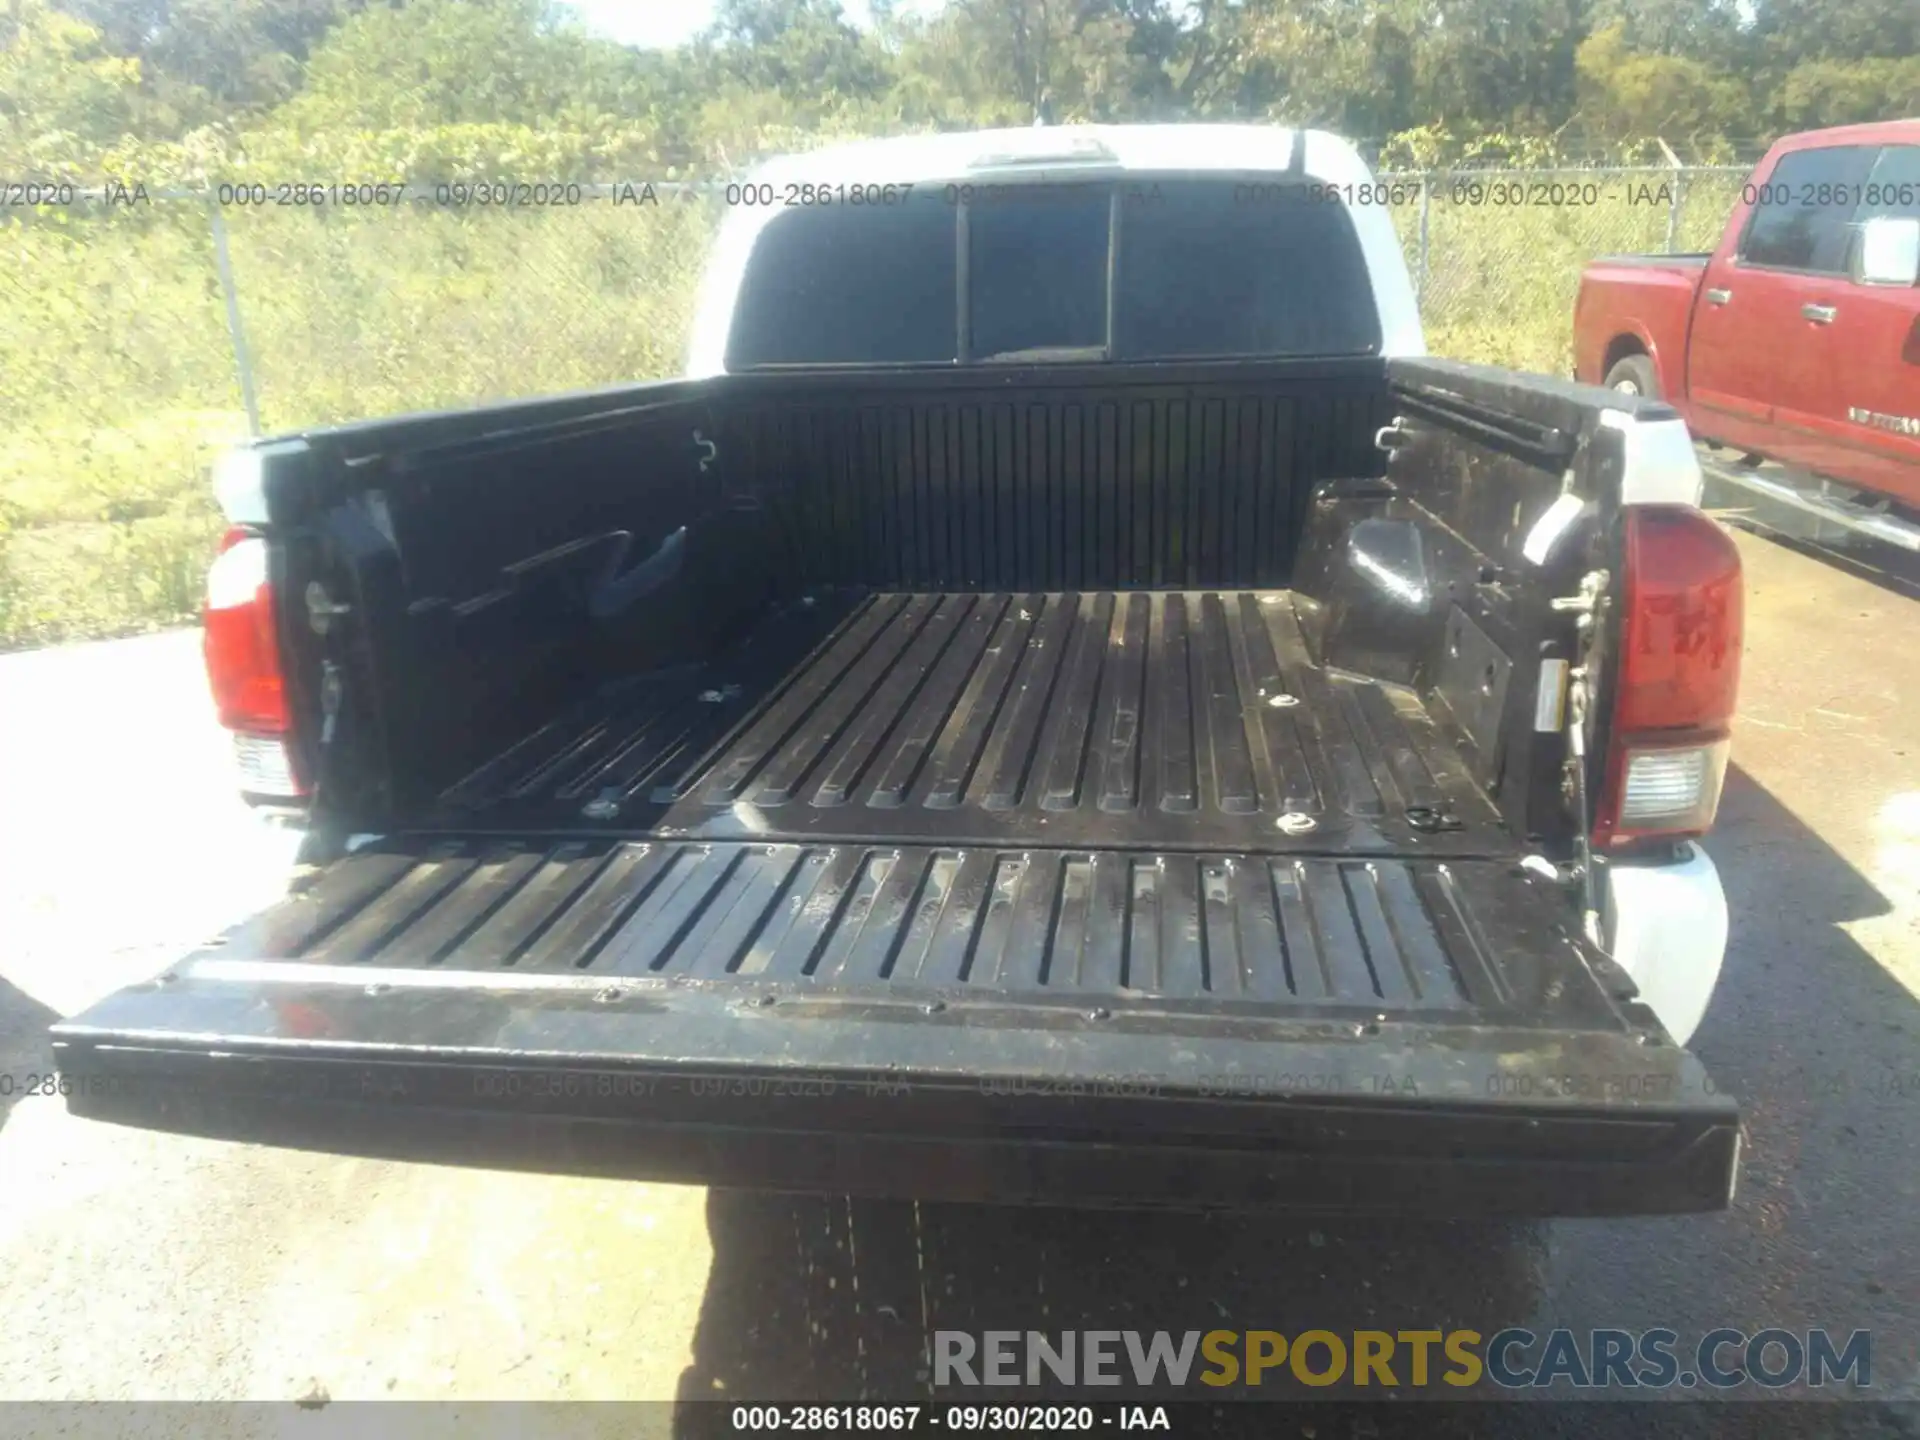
(1502, 492)
(505, 562)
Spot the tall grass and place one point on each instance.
(118, 380)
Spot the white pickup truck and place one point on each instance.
(1063, 703)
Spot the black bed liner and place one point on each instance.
(965, 896)
(1046, 895)
(1228, 934)
(951, 896)
(1270, 1032)
(1145, 719)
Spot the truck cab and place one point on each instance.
(1225, 219)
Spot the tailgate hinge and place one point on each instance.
(1585, 606)
(331, 689)
(1577, 702)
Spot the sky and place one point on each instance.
(665, 22)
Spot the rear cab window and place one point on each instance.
(1037, 270)
(1211, 269)
(848, 285)
(1139, 268)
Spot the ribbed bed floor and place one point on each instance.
(1137, 720)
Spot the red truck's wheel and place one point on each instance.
(1633, 375)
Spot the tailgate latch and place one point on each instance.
(1593, 586)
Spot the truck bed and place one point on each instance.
(1089, 896)
(977, 896)
(1150, 721)
(1001, 799)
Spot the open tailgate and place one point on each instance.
(1070, 1026)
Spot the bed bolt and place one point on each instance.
(1433, 819)
(608, 995)
(1294, 822)
(1099, 1012)
(1281, 702)
(933, 1007)
(378, 987)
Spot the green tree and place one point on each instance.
(1833, 92)
(1712, 31)
(1792, 32)
(1499, 63)
(798, 48)
(443, 83)
(1332, 63)
(62, 89)
(1012, 61)
(451, 62)
(1627, 94)
(204, 60)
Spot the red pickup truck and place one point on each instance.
(1798, 338)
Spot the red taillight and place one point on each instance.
(243, 652)
(243, 663)
(1677, 680)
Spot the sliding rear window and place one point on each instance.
(1211, 268)
(1037, 269)
(1147, 269)
(849, 285)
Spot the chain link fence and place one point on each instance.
(145, 330)
(1496, 255)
